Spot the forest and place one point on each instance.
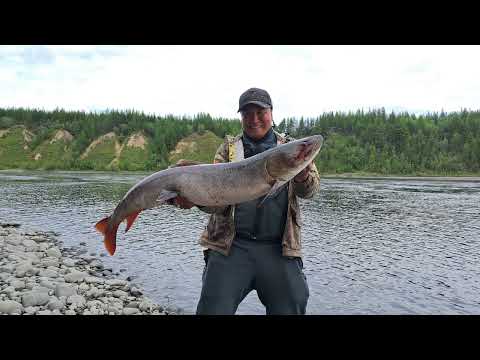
(364, 142)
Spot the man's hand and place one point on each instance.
(303, 175)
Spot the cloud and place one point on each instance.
(302, 80)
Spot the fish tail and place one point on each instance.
(131, 218)
(110, 239)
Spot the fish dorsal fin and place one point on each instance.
(276, 188)
(166, 195)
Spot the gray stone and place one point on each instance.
(39, 288)
(54, 252)
(95, 303)
(14, 240)
(43, 246)
(130, 311)
(70, 312)
(77, 300)
(106, 273)
(120, 293)
(48, 273)
(135, 292)
(10, 307)
(75, 276)
(55, 304)
(116, 282)
(146, 305)
(4, 276)
(83, 287)
(133, 304)
(94, 280)
(9, 290)
(64, 290)
(18, 284)
(30, 310)
(50, 261)
(38, 239)
(95, 293)
(25, 268)
(30, 244)
(48, 284)
(96, 264)
(44, 312)
(69, 262)
(8, 268)
(35, 298)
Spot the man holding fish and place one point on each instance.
(251, 247)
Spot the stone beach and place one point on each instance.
(38, 276)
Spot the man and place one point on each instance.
(255, 248)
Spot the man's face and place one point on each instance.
(256, 121)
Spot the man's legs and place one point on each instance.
(280, 282)
(226, 281)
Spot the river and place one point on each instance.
(371, 246)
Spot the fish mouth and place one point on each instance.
(308, 148)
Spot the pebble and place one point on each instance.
(39, 277)
(119, 293)
(116, 282)
(69, 262)
(55, 304)
(18, 284)
(48, 284)
(54, 252)
(75, 276)
(35, 298)
(44, 312)
(64, 290)
(94, 280)
(30, 310)
(50, 261)
(130, 311)
(10, 307)
(77, 300)
(48, 273)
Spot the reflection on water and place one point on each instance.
(371, 246)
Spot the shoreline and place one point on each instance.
(39, 276)
(366, 176)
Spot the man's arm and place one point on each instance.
(221, 156)
(307, 182)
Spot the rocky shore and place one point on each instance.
(38, 276)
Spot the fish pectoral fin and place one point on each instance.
(131, 218)
(276, 188)
(166, 195)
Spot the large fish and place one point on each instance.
(213, 184)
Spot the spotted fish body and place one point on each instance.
(213, 184)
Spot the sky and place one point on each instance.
(186, 80)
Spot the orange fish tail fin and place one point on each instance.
(110, 239)
(130, 219)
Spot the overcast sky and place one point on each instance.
(185, 80)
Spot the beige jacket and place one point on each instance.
(220, 230)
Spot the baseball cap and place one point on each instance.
(255, 96)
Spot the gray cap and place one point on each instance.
(255, 96)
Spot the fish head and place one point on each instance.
(287, 160)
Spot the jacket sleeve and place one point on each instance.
(310, 186)
(221, 156)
